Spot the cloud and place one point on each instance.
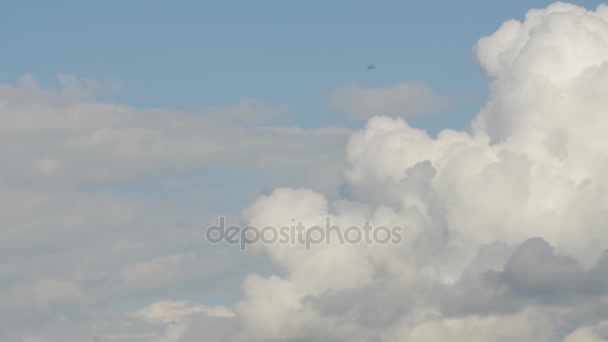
(398, 100)
(77, 142)
(103, 207)
(598, 333)
(186, 321)
(504, 237)
(173, 311)
(28, 91)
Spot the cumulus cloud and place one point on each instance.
(504, 237)
(398, 100)
(597, 333)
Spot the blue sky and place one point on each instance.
(199, 53)
(202, 53)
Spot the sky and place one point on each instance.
(130, 128)
(201, 53)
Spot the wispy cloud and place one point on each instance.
(398, 100)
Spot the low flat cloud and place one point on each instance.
(105, 205)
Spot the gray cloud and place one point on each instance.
(86, 230)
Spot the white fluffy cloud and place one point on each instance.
(504, 224)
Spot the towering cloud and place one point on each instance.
(504, 225)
